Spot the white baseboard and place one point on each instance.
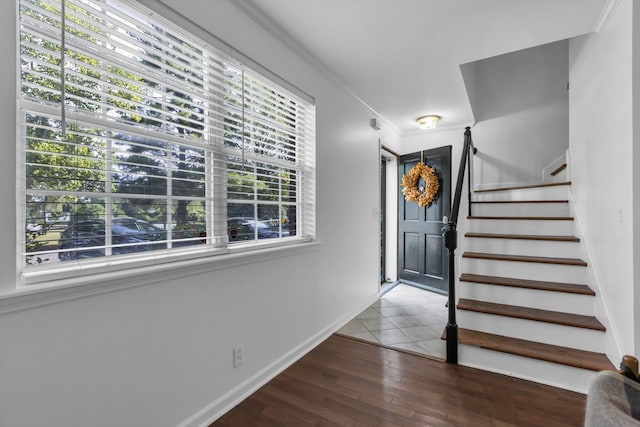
(233, 397)
(613, 347)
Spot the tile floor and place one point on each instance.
(405, 317)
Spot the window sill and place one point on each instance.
(97, 278)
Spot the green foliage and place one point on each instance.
(34, 245)
(68, 163)
(71, 161)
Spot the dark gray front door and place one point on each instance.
(422, 257)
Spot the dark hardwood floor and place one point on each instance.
(344, 382)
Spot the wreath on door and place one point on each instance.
(423, 196)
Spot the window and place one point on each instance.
(137, 136)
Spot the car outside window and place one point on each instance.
(135, 131)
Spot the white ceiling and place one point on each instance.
(402, 57)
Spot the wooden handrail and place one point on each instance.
(451, 243)
(464, 159)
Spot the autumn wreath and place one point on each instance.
(422, 196)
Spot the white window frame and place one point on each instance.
(79, 271)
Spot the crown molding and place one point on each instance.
(254, 13)
(606, 12)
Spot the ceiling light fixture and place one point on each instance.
(428, 122)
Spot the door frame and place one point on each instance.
(390, 212)
(445, 194)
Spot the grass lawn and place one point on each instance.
(49, 240)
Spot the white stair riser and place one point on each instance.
(565, 336)
(532, 298)
(505, 226)
(532, 330)
(525, 270)
(553, 374)
(559, 192)
(523, 247)
(520, 209)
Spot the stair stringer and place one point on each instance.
(613, 347)
(541, 371)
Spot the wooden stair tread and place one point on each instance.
(519, 201)
(525, 258)
(528, 284)
(550, 353)
(525, 218)
(520, 187)
(556, 317)
(524, 237)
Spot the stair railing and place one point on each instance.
(451, 243)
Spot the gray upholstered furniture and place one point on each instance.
(613, 401)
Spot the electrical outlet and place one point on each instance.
(237, 355)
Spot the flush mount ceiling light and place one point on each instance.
(428, 122)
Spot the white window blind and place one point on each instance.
(138, 136)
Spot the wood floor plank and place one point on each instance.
(348, 382)
(557, 317)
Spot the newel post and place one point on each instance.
(451, 242)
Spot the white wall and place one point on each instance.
(520, 104)
(636, 173)
(160, 354)
(8, 157)
(601, 148)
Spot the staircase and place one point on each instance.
(523, 307)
